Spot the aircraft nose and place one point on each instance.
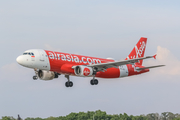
(19, 60)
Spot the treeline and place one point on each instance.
(101, 115)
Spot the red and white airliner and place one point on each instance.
(50, 64)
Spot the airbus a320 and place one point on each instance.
(48, 65)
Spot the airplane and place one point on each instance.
(48, 65)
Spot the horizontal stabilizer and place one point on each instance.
(150, 67)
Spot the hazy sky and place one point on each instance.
(100, 28)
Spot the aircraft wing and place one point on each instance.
(104, 66)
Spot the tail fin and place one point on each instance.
(138, 51)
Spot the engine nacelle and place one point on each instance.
(46, 75)
(83, 71)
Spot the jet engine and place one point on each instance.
(46, 75)
(83, 71)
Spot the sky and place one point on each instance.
(99, 28)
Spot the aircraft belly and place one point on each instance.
(109, 73)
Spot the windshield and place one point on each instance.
(28, 53)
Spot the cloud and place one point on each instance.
(165, 57)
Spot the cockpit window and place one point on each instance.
(32, 54)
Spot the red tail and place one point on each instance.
(138, 51)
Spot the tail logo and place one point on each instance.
(141, 49)
(138, 51)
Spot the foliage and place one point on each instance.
(8, 118)
(101, 115)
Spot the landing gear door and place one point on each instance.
(42, 55)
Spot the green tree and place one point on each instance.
(72, 116)
(167, 116)
(153, 116)
(90, 115)
(49, 118)
(30, 118)
(100, 115)
(8, 118)
(124, 117)
(176, 119)
(141, 117)
(115, 117)
(82, 116)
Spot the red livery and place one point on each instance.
(50, 64)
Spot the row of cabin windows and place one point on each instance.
(28, 53)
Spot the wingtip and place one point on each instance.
(155, 56)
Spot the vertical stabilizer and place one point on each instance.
(138, 51)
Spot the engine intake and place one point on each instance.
(46, 75)
(83, 71)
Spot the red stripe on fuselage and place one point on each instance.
(63, 62)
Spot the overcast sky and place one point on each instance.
(99, 28)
